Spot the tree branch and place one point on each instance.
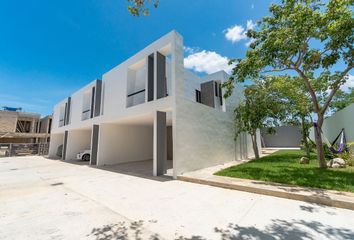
(277, 70)
(309, 88)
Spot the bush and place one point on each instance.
(348, 156)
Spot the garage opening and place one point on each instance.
(56, 145)
(78, 146)
(128, 147)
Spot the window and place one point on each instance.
(216, 89)
(61, 115)
(198, 96)
(220, 95)
(86, 105)
(50, 125)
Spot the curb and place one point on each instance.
(324, 200)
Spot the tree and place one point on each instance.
(259, 109)
(139, 7)
(297, 105)
(342, 99)
(307, 38)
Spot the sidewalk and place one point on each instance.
(313, 195)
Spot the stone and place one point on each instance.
(336, 165)
(339, 161)
(304, 160)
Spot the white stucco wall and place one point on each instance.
(205, 138)
(124, 143)
(78, 140)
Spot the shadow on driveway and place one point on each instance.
(277, 229)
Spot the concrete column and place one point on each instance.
(65, 143)
(160, 144)
(94, 144)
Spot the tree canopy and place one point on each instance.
(141, 7)
(342, 99)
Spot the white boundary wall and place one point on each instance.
(334, 124)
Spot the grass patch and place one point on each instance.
(283, 167)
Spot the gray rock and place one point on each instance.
(339, 161)
(304, 160)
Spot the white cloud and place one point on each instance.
(349, 83)
(250, 24)
(237, 33)
(189, 50)
(207, 61)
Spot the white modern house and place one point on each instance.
(150, 108)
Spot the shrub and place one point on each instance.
(348, 156)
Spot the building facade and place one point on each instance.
(23, 127)
(151, 108)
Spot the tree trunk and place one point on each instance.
(254, 144)
(304, 137)
(319, 144)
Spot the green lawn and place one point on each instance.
(283, 167)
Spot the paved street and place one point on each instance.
(50, 199)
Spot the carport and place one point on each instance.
(56, 145)
(77, 140)
(138, 146)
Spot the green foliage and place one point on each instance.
(259, 109)
(348, 156)
(286, 41)
(283, 167)
(139, 7)
(342, 99)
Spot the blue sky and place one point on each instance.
(48, 49)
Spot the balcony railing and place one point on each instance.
(136, 98)
(86, 114)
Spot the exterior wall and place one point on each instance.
(45, 124)
(334, 124)
(114, 92)
(206, 138)
(8, 121)
(285, 136)
(124, 143)
(55, 141)
(78, 140)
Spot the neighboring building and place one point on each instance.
(151, 107)
(23, 127)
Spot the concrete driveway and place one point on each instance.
(50, 199)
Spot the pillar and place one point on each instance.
(160, 144)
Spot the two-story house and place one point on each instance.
(151, 108)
